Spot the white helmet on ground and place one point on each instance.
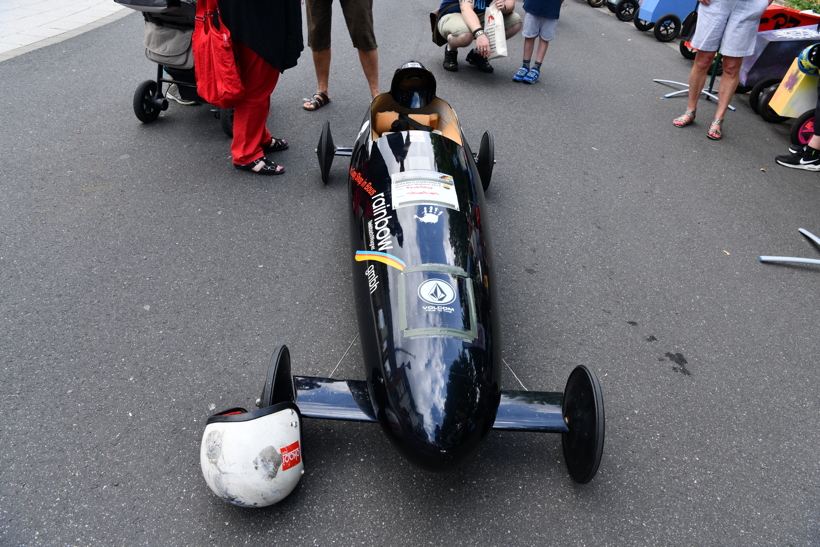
(253, 459)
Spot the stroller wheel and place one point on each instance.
(226, 120)
(145, 107)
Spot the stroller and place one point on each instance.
(169, 26)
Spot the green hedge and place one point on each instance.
(804, 4)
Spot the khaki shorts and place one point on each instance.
(358, 15)
(453, 23)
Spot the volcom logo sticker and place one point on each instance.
(436, 291)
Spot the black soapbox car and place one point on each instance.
(426, 301)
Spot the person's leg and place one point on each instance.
(321, 64)
(547, 34)
(530, 33)
(452, 27)
(726, 90)
(712, 18)
(370, 65)
(542, 51)
(251, 114)
(318, 15)
(535, 72)
(814, 142)
(738, 41)
(358, 16)
(805, 157)
(455, 41)
(697, 80)
(529, 46)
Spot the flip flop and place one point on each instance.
(275, 145)
(316, 102)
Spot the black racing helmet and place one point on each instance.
(413, 85)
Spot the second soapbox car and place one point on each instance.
(427, 311)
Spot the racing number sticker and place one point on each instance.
(419, 187)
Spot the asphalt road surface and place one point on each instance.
(144, 283)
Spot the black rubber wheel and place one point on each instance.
(486, 159)
(627, 10)
(610, 6)
(325, 151)
(667, 28)
(279, 382)
(757, 90)
(226, 121)
(145, 111)
(642, 25)
(803, 129)
(596, 3)
(687, 52)
(765, 110)
(583, 410)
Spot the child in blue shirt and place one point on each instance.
(541, 21)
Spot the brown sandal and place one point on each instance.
(681, 120)
(714, 130)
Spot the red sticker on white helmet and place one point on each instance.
(291, 456)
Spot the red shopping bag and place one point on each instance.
(217, 77)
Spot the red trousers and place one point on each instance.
(251, 113)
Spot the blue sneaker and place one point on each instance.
(532, 76)
(519, 76)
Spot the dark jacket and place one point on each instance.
(271, 28)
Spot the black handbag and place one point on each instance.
(687, 30)
(438, 39)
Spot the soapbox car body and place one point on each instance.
(426, 298)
